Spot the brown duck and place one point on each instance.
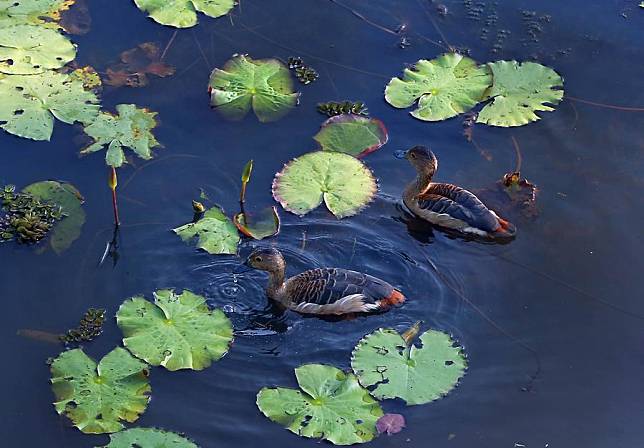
(324, 291)
(447, 205)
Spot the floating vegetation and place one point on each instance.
(183, 13)
(333, 108)
(265, 85)
(390, 424)
(214, 232)
(303, 73)
(43, 97)
(444, 87)
(391, 366)
(258, 226)
(90, 326)
(135, 64)
(77, 19)
(33, 12)
(88, 76)
(130, 128)
(98, 398)
(330, 405)
(27, 219)
(31, 49)
(512, 194)
(148, 438)
(344, 183)
(177, 331)
(352, 134)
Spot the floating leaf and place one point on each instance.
(131, 128)
(260, 226)
(265, 85)
(148, 438)
(30, 49)
(35, 12)
(98, 398)
(331, 405)
(352, 134)
(390, 368)
(65, 195)
(88, 76)
(390, 424)
(29, 103)
(520, 90)
(215, 232)
(183, 13)
(177, 331)
(77, 19)
(136, 64)
(344, 183)
(445, 87)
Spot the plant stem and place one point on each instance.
(117, 221)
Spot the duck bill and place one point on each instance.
(400, 154)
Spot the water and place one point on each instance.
(569, 287)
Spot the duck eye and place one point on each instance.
(412, 155)
(258, 259)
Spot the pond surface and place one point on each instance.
(561, 363)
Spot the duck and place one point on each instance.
(324, 291)
(447, 205)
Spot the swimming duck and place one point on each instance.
(324, 291)
(447, 205)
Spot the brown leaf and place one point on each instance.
(136, 64)
(77, 19)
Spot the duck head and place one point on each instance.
(421, 158)
(267, 259)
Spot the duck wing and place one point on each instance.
(339, 291)
(458, 203)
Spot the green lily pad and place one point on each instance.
(258, 226)
(177, 331)
(265, 85)
(444, 87)
(98, 398)
(331, 405)
(35, 12)
(183, 13)
(30, 49)
(390, 368)
(65, 195)
(519, 90)
(352, 134)
(130, 128)
(29, 103)
(215, 233)
(148, 438)
(344, 183)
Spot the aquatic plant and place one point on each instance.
(89, 327)
(112, 182)
(264, 84)
(391, 366)
(136, 64)
(303, 73)
(183, 13)
(444, 87)
(148, 438)
(352, 134)
(344, 183)
(26, 219)
(31, 49)
(331, 405)
(390, 424)
(34, 12)
(43, 97)
(214, 232)
(333, 108)
(98, 398)
(177, 331)
(260, 225)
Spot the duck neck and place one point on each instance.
(275, 282)
(421, 184)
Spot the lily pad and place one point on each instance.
(29, 103)
(331, 405)
(45, 12)
(215, 233)
(519, 91)
(148, 438)
(265, 85)
(135, 64)
(183, 13)
(258, 226)
(177, 331)
(130, 128)
(444, 87)
(392, 368)
(390, 424)
(352, 134)
(99, 398)
(65, 195)
(30, 49)
(344, 183)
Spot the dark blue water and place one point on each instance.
(569, 287)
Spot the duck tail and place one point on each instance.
(505, 230)
(396, 298)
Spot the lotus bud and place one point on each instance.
(198, 207)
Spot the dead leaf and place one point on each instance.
(135, 64)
